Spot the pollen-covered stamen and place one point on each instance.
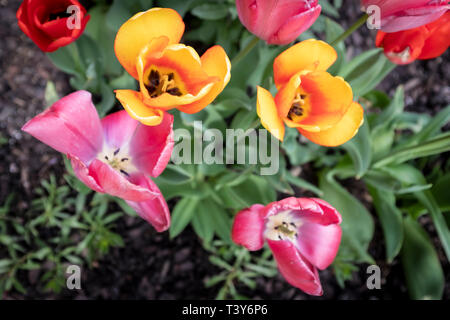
(297, 110)
(282, 226)
(118, 159)
(159, 84)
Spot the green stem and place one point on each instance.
(350, 30)
(245, 51)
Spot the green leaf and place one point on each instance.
(391, 221)
(51, 96)
(437, 145)
(117, 15)
(303, 184)
(203, 223)
(357, 223)
(182, 214)
(211, 11)
(441, 190)
(176, 175)
(421, 264)
(359, 149)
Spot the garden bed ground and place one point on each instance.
(150, 266)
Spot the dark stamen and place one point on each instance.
(151, 88)
(171, 76)
(276, 228)
(124, 159)
(174, 92)
(58, 15)
(116, 152)
(293, 224)
(279, 237)
(106, 157)
(296, 109)
(124, 172)
(154, 78)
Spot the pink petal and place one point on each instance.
(295, 26)
(413, 18)
(71, 125)
(294, 268)
(319, 244)
(115, 184)
(155, 211)
(151, 146)
(267, 18)
(248, 228)
(118, 128)
(82, 173)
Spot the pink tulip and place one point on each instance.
(278, 21)
(402, 15)
(115, 155)
(303, 234)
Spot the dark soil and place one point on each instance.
(150, 266)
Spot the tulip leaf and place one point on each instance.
(408, 174)
(182, 214)
(357, 223)
(359, 149)
(211, 11)
(391, 220)
(421, 265)
(441, 190)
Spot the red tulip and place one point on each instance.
(303, 234)
(278, 21)
(115, 155)
(52, 24)
(426, 42)
(398, 15)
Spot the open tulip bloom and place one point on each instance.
(319, 105)
(47, 22)
(278, 21)
(398, 15)
(115, 155)
(302, 233)
(171, 75)
(425, 42)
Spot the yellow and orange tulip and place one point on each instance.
(319, 105)
(171, 75)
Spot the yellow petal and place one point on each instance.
(132, 102)
(268, 114)
(342, 132)
(312, 55)
(138, 31)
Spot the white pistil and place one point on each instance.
(282, 226)
(118, 159)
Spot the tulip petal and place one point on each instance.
(248, 228)
(71, 125)
(82, 173)
(115, 184)
(215, 63)
(155, 210)
(295, 26)
(341, 132)
(438, 41)
(118, 129)
(267, 112)
(312, 55)
(319, 244)
(327, 99)
(132, 102)
(151, 147)
(295, 269)
(189, 75)
(138, 31)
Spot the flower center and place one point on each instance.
(297, 110)
(58, 15)
(282, 226)
(162, 83)
(118, 160)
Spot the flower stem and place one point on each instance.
(350, 30)
(245, 51)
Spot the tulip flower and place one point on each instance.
(302, 233)
(425, 42)
(319, 105)
(115, 155)
(52, 24)
(278, 21)
(170, 75)
(401, 15)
